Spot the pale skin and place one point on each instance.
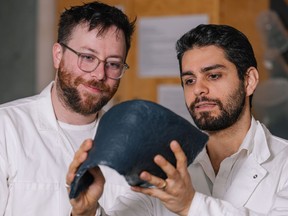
(110, 46)
(202, 75)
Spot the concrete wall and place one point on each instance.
(22, 24)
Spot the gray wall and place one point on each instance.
(18, 49)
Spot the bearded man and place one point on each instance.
(40, 134)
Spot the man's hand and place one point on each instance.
(176, 192)
(87, 201)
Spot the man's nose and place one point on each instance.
(99, 72)
(200, 88)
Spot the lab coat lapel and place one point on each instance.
(46, 120)
(48, 126)
(245, 182)
(251, 172)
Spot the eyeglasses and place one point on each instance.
(88, 63)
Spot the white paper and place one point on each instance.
(157, 40)
(172, 97)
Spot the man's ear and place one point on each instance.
(57, 54)
(251, 80)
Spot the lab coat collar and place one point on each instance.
(260, 150)
(46, 116)
(251, 172)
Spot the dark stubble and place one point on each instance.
(229, 113)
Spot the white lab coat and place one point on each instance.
(256, 185)
(34, 160)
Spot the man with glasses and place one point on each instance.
(87, 62)
(40, 134)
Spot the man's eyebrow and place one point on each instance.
(187, 73)
(212, 67)
(95, 52)
(203, 70)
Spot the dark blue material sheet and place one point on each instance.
(129, 136)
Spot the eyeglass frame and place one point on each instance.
(79, 54)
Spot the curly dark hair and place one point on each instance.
(98, 15)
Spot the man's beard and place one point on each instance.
(88, 103)
(229, 113)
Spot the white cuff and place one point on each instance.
(100, 211)
(196, 204)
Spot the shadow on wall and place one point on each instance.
(271, 96)
(271, 105)
(18, 45)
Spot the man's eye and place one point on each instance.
(114, 65)
(88, 58)
(214, 76)
(188, 81)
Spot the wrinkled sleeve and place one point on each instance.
(3, 179)
(280, 206)
(130, 204)
(207, 205)
(99, 212)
